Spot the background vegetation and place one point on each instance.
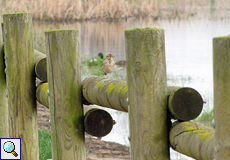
(113, 9)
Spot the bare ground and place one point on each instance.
(96, 148)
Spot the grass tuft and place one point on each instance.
(44, 138)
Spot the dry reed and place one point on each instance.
(100, 9)
(73, 10)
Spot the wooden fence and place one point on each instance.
(145, 96)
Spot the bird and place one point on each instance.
(120, 63)
(108, 65)
(101, 55)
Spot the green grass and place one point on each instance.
(44, 138)
(97, 61)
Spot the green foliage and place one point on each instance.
(44, 138)
(97, 61)
(94, 65)
(205, 118)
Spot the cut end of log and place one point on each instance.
(185, 104)
(98, 123)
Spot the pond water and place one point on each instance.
(188, 55)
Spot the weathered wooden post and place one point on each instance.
(146, 79)
(4, 125)
(221, 75)
(19, 59)
(66, 110)
(193, 140)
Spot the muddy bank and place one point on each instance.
(96, 149)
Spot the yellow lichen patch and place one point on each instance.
(110, 88)
(124, 91)
(188, 126)
(202, 133)
(100, 85)
(44, 87)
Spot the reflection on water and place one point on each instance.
(188, 54)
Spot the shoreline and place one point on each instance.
(96, 149)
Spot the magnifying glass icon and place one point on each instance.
(9, 147)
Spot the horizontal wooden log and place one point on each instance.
(193, 140)
(97, 122)
(184, 103)
(106, 92)
(40, 65)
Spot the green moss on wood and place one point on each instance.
(100, 85)
(19, 59)
(59, 30)
(142, 30)
(222, 37)
(42, 94)
(4, 126)
(110, 88)
(124, 91)
(16, 13)
(66, 110)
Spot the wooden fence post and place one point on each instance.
(66, 109)
(19, 59)
(146, 79)
(221, 75)
(4, 125)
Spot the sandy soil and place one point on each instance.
(96, 149)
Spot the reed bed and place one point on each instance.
(73, 10)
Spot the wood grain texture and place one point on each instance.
(4, 125)
(19, 59)
(97, 122)
(193, 140)
(221, 70)
(146, 79)
(66, 110)
(185, 104)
